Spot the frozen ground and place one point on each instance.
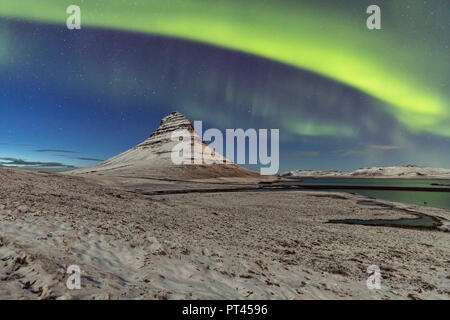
(239, 245)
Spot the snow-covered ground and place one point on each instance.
(409, 171)
(155, 154)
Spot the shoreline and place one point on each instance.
(359, 187)
(372, 177)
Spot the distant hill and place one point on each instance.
(152, 157)
(408, 171)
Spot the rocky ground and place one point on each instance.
(238, 245)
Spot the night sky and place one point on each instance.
(342, 96)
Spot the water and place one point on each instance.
(421, 220)
(424, 198)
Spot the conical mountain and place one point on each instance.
(152, 157)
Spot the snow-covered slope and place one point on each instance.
(312, 173)
(155, 154)
(409, 171)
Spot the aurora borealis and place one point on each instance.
(343, 96)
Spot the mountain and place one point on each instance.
(152, 157)
(313, 173)
(408, 171)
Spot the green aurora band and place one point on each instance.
(405, 64)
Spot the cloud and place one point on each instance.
(35, 165)
(80, 158)
(382, 147)
(300, 154)
(366, 150)
(89, 159)
(55, 150)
